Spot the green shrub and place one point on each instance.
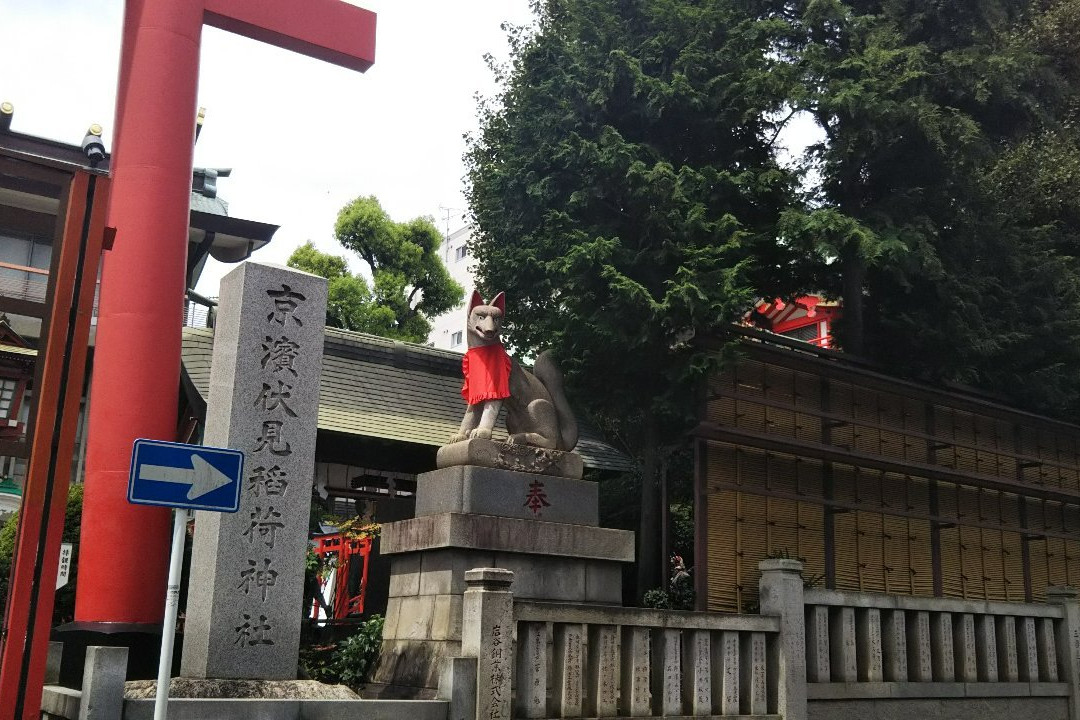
(349, 661)
(356, 655)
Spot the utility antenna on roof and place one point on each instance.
(447, 212)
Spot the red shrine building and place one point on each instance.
(808, 318)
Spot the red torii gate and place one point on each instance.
(137, 358)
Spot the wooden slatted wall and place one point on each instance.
(745, 527)
(766, 503)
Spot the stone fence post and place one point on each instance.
(487, 632)
(781, 594)
(103, 683)
(1068, 643)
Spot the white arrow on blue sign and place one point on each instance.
(185, 476)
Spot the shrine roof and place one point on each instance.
(17, 350)
(376, 387)
(234, 238)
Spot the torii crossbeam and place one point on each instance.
(136, 372)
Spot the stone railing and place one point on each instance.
(546, 660)
(615, 661)
(864, 637)
(807, 651)
(872, 648)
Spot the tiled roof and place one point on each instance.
(382, 388)
(210, 205)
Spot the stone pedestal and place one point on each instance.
(544, 528)
(506, 456)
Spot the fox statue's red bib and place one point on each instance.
(487, 374)
(536, 409)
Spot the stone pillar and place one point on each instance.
(457, 685)
(487, 632)
(532, 670)
(986, 647)
(697, 671)
(665, 673)
(103, 683)
(1027, 650)
(842, 645)
(964, 648)
(1067, 640)
(781, 594)
(941, 647)
(568, 669)
(1046, 644)
(894, 650)
(247, 568)
(753, 684)
(603, 677)
(868, 634)
(52, 662)
(1008, 667)
(726, 667)
(635, 697)
(817, 644)
(920, 665)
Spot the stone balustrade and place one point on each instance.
(808, 654)
(864, 637)
(589, 661)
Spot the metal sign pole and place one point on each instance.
(172, 601)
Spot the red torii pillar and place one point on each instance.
(137, 359)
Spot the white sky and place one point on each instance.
(303, 137)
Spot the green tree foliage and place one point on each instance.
(626, 195)
(409, 282)
(948, 199)
(64, 604)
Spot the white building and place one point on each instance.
(448, 329)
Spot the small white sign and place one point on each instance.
(63, 571)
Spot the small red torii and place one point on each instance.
(136, 374)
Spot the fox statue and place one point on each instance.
(536, 409)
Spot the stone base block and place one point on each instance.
(418, 613)
(506, 456)
(429, 556)
(507, 493)
(180, 687)
(287, 709)
(502, 534)
(410, 669)
(423, 617)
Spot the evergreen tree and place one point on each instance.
(626, 197)
(947, 198)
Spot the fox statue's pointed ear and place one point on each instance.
(477, 299)
(499, 302)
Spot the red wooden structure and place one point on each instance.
(350, 586)
(807, 318)
(137, 360)
(79, 236)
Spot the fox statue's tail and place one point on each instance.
(548, 373)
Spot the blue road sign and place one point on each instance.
(185, 476)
